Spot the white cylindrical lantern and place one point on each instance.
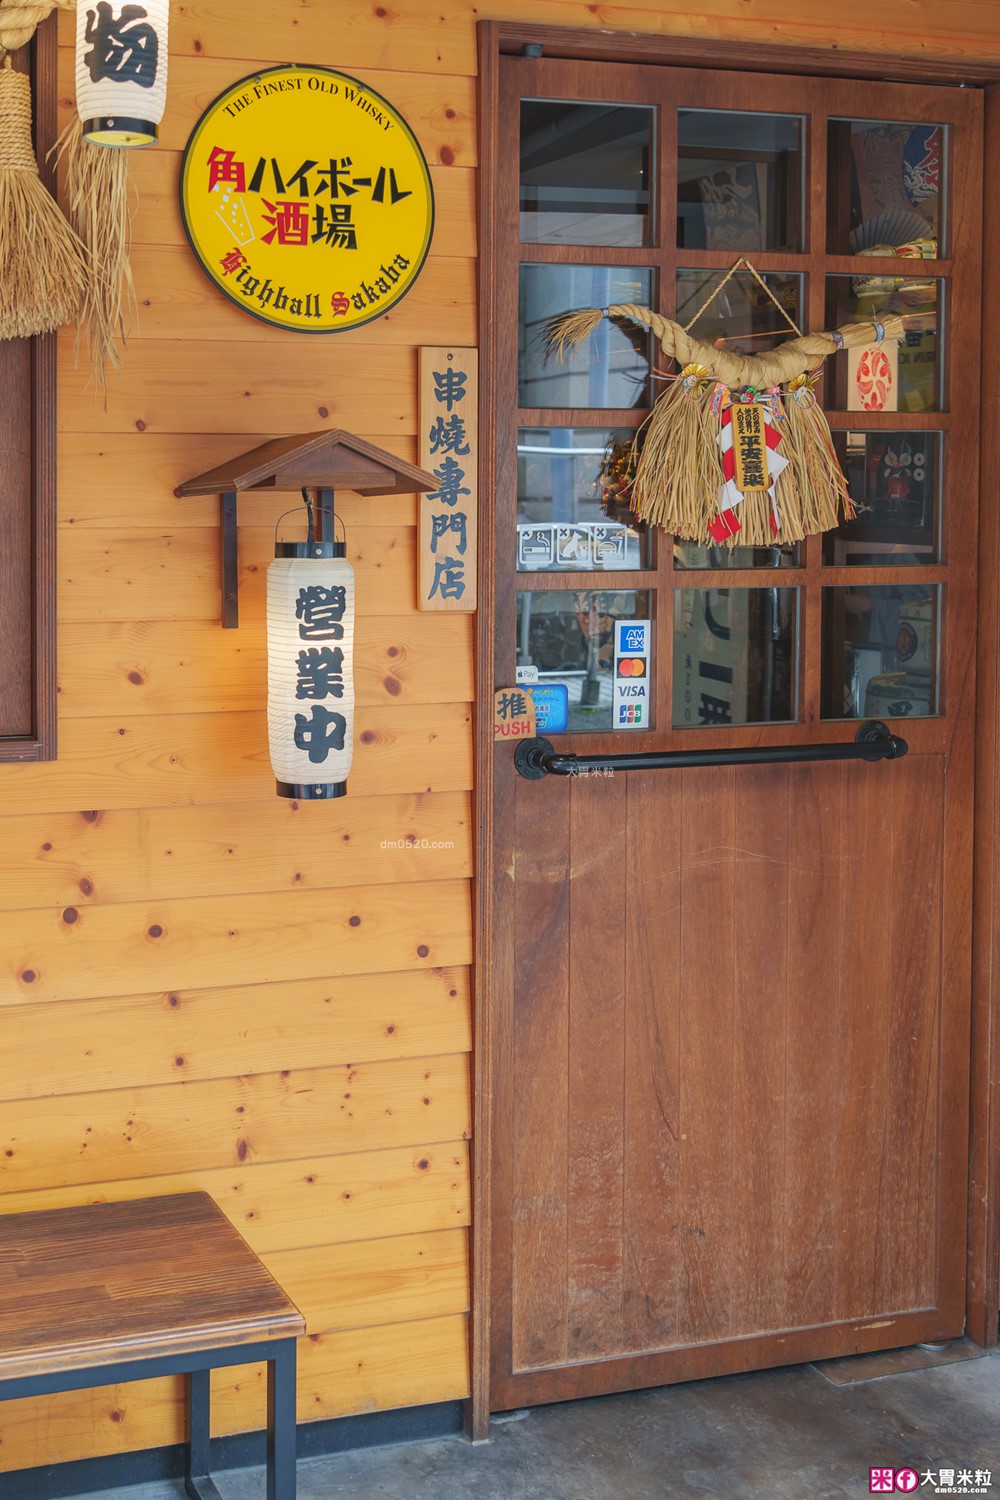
(310, 669)
(121, 70)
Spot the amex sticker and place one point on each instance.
(307, 199)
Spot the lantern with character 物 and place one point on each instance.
(737, 451)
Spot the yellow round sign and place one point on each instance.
(307, 199)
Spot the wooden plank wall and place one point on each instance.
(187, 995)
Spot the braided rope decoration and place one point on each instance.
(17, 154)
(19, 19)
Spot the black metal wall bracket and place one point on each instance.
(535, 759)
(229, 558)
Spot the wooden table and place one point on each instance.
(115, 1292)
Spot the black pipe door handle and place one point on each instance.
(538, 758)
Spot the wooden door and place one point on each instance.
(731, 1005)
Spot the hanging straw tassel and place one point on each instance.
(43, 265)
(673, 481)
(823, 489)
(98, 187)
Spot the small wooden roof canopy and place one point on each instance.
(333, 460)
(319, 461)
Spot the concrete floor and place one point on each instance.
(776, 1435)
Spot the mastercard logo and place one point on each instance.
(632, 666)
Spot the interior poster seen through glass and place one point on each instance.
(307, 199)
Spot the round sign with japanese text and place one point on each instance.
(306, 198)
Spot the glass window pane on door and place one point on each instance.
(569, 515)
(885, 188)
(904, 376)
(585, 173)
(611, 369)
(895, 483)
(880, 651)
(689, 555)
(739, 181)
(568, 636)
(742, 314)
(735, 656)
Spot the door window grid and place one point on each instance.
(811, 575)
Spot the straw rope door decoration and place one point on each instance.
(43, 263)
(57, 269)
(737, 450)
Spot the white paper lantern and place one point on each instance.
(121, 70)
(310, 669)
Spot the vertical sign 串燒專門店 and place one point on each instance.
(449, 449)
(630, 702)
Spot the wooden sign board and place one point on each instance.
(307, 199)
(449, 449)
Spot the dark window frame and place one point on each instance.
(34, 633)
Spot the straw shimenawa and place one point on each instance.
(679, 464)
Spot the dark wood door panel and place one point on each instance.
(595, 1121)
(728, 1029)
(537, 1222)
(651, 1171)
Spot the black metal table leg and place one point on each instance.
(197, 1479)
(196, 1367)
(281, 1422)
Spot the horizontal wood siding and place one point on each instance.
(185, 1001)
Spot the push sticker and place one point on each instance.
(513, 715)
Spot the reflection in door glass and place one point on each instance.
(612, 367)
(585, 173)
(569, 516)
(880, 651)
(735, 656)
(693, 555)
(894, 480)
(742, 314)
(739, 181)
(568, 637)
(884, 187)
(904, 376)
